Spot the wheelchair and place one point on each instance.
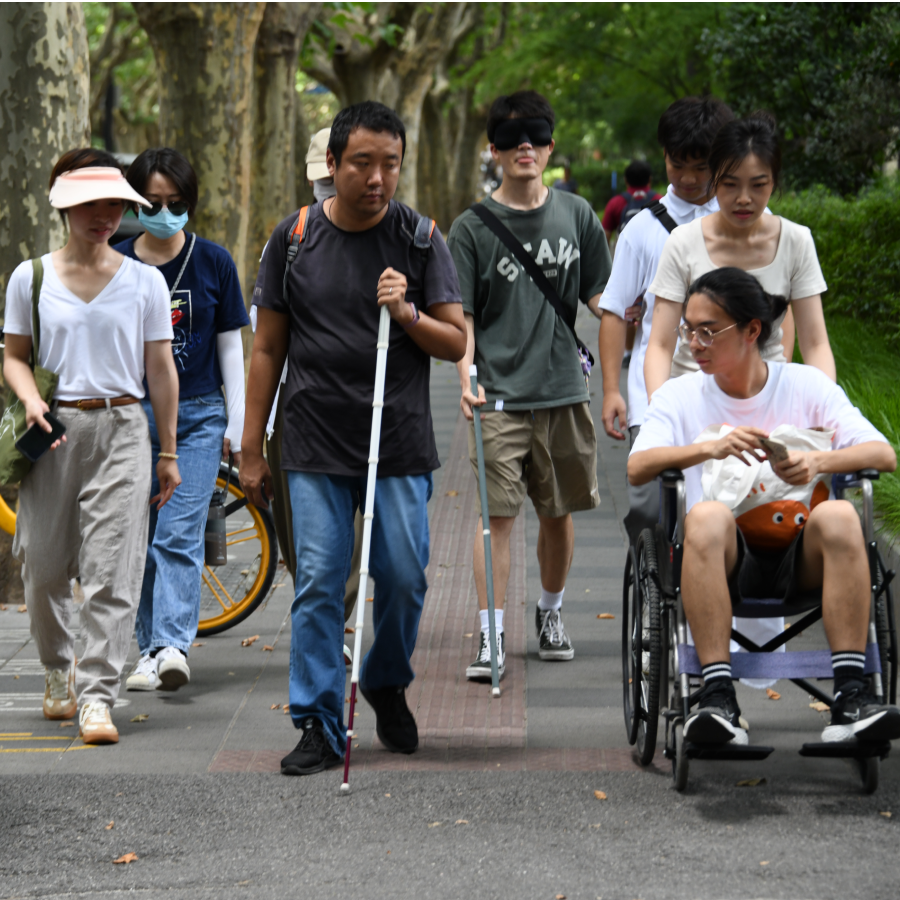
(661, 670)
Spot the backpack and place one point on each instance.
(633, 205)
(421, 241)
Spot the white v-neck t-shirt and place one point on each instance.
(794, 273)
(96, 348)
(683, 408)
(638, 250)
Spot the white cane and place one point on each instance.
(384, 330)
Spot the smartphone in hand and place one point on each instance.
(776, 450)
(36, 442)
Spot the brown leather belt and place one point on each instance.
(86, 405)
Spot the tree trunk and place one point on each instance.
(273, 181)
(204, 56)
(44, 105)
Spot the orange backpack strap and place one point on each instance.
(424, 231)
(296, 239)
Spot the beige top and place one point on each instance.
(794, 273)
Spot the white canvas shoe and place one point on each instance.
(144, 676)
(173, 669)
(96, 724)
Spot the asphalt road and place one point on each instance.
(194, 791)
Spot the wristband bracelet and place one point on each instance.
(167, 455)
(415, 320)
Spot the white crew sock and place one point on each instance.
(550, 600)
(486, 623)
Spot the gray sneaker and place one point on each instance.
(480, 670)
(555, 643)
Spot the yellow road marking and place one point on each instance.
(61, 737)
(5, 734)
(48, 749)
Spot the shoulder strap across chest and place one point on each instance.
(661, 213)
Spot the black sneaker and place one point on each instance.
(555, 643)
(717, 719)
(394, 723)
(313, 753)
(480, 670)
(857, 715)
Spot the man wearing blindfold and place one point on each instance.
(538, 431)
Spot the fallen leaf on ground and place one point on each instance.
(886, 814)
(387, 795)
(126, 858)
(198, 643)
(231, 673)
(108, 827)
(370, 599)
(286, 708)
(349, 629)
(275, 706)
(819, 706)
(245, 571)
(469, 634)
(560, 897)
(23, 608)
(355, 714)
(772, 695)
(141, 717)
(466, 821)
(246, 642)
(595, 825)
(355, 746)
(267, 647)
(605, 616)
(452, 494)
(765, 862)
(66, 724)
(434, 824)
(600, 795)
(587, 590)
(751, 782)
(2, 607)
(15, 677)
(121, 794)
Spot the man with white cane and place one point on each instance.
(319, 305)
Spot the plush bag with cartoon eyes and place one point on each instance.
(770, 512)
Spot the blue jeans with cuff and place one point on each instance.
(170, 596)
(323, 509)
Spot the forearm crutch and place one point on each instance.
(486, 532)
(384, 331)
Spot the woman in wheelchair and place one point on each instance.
(727, 318)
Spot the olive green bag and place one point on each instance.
(13, 465)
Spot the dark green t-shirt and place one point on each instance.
(526, 355)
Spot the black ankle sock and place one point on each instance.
(848, 666)
(718, 671)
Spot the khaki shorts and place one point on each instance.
(549, 454)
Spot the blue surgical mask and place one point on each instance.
(164, 224)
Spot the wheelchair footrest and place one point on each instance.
(848, 749)
(724, 751)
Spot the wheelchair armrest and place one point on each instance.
(670, 477)
(871, 474)
(842, 480)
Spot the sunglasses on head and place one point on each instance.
(178, 208)
(512, 133)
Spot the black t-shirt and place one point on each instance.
(333, 314)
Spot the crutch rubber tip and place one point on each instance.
(345, 788)
(495, 692)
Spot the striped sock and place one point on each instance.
(848, 666)
(719, 671)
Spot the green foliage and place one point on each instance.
(858, 242)
(830, 74)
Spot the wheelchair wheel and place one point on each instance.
(642, 649)
(869, 770)
(230, 593)
(887, 641)
(630, 587)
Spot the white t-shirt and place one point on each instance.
(794, 273)
(96, 348)
(793, 395)
(638, 250)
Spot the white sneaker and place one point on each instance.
(59, 693)
(348, 657)
(173, 669)
(96, 725)
(144, 676)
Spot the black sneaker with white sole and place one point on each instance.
(480, 670)
(313, 753)
(554, 642)
(857, 715)
(717, 719)
(395, 725)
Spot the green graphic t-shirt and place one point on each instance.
(526, 355)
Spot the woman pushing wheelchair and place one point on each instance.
(785, 551)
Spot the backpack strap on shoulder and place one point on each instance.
(424, 232)
(661, 213)
(295, 239)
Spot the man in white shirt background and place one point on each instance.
(686, 130)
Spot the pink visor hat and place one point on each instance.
(92, 183)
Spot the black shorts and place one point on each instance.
(762, 574)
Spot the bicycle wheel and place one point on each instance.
(230, 593)
(7, 517)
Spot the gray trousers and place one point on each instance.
(84, 512)
(643, 501)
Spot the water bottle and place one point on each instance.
(215, 540)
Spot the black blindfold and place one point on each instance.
(511, 133)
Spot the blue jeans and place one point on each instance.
(323, 510)
(170, 596)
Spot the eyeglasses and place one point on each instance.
(704, 335)
(178, 208)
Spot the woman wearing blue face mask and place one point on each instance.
(207, 315)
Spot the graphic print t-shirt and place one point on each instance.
(207, 302)
(333, 316)
(526, 355)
